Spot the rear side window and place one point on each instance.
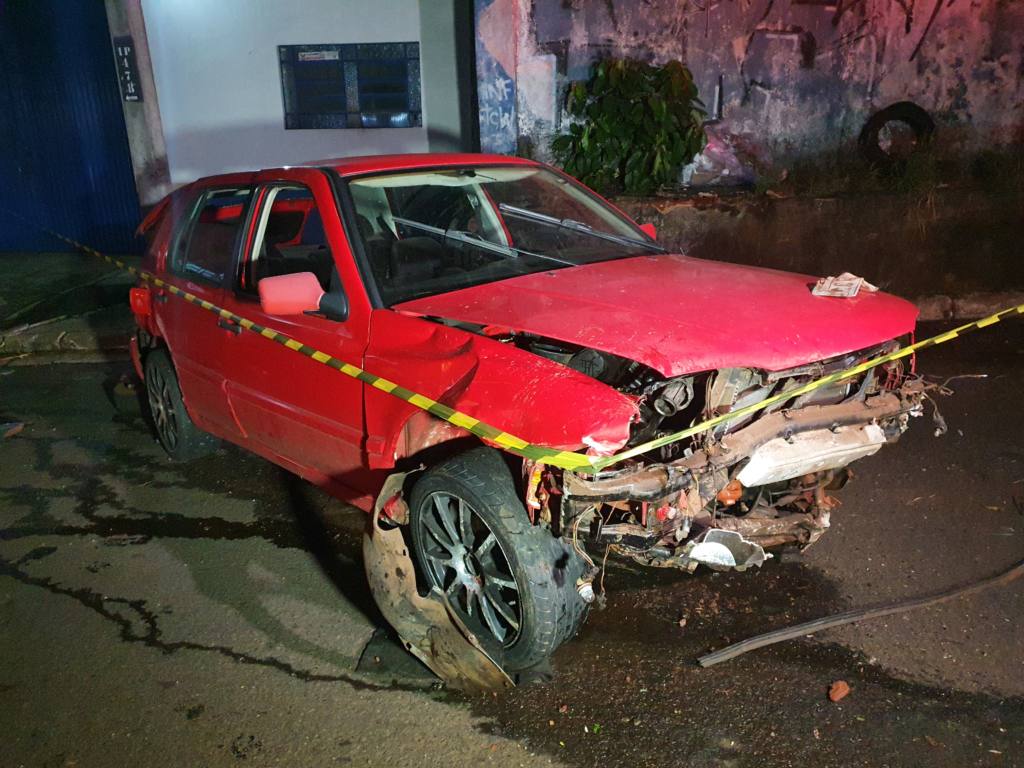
(206, 247)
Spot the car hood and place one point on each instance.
(679, 315)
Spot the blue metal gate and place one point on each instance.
(64, 159)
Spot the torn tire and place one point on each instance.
(511, 582)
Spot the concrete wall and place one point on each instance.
(953, 242)
(799, 76)
(219, 83)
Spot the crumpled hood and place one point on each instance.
(678, 314)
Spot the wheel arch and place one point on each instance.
(426, 441)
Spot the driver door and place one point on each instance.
(293, 409)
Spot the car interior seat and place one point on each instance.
(415, 259)
(311, 254)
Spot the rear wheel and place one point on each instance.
(178, 435)
(512, 583)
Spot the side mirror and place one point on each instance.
(650, 230)
(300, 293)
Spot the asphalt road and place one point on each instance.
(214, 613)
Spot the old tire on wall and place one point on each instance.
(512, 582)
(917, 120)
(178, 435)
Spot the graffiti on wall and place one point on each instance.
(495, 67)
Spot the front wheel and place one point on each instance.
(512, 583)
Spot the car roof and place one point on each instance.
(353, 166)
(350, 166)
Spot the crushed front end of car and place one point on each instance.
(727, 495)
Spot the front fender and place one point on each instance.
(531, 397)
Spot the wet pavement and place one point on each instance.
(216, 612)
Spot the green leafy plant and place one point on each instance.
(634, 126)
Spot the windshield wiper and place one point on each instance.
(576, 226)
(469, 238)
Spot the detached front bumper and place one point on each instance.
(766, 483)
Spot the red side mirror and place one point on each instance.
(290, 294)
(650, 230)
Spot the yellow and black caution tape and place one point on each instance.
(570, 460)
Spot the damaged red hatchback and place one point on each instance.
(506, 290)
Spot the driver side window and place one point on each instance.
(288, 237)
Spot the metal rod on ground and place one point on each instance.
(860, 614)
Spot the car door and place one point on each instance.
(200, 256)
(292, 408)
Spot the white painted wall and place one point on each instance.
(219, 84)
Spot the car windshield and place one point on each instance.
(432, 231)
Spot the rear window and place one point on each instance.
(206, 247)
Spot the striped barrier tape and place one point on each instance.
(570, 460)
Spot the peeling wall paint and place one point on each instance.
(497, 23)
(798, 76)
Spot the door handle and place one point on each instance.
(229, 325)
(160, 296)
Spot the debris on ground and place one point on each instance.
(125, 387)
(838, 691)
(11, 428)
(29, 326)
(717, 165)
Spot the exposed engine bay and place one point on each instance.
(725, 496)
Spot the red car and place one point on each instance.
(506, 290)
